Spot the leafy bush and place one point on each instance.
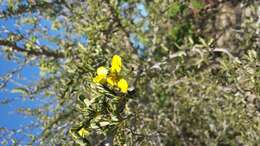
(190, 79)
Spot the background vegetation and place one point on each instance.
(193, 69)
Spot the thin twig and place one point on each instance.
(42, 52)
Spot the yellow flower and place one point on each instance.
(83, 132)
(102, 71)
(101, 74)
(98, 79)
(122, 85)
(116, 64)
(112, 79)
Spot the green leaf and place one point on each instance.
(174, 9)
(20, 90)
(33, 39)
(197, 4)
(93, 126)
(104, 123)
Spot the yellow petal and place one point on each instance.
(116, 64)
(83, 132)
(102, 71)
(112, 79)
(122, 85)
(99, 78)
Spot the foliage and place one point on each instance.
(186, 79)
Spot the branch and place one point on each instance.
(6, 78)
(29, 8)
(42, 52)
(47, 130)
(117, 19)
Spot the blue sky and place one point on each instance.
(29, 75)
(11, 119)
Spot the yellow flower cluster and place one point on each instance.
(111, 76)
